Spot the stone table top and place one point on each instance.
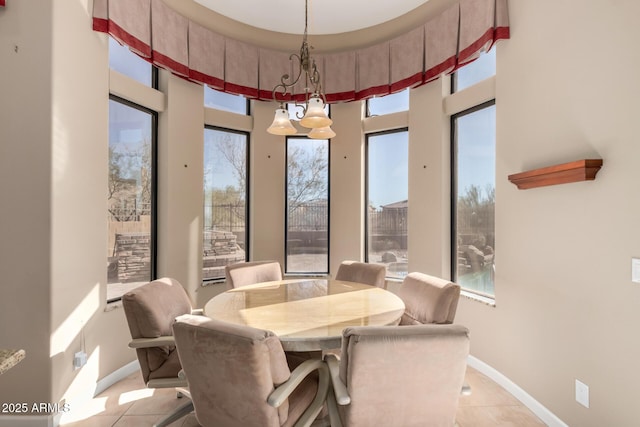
(9, 358)
(307, 314)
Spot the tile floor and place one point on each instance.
(129, 403)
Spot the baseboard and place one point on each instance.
(115, 376)
(545, 415)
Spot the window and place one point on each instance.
(130, 197)
(480, 69)
(124, 61)
(387, 200)
(225, 101)
(307, 229)
(388, 104)
(474, 165)
(225, 228)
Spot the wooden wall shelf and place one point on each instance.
(580, 170)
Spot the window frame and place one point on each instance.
(154, 69)
(247, 111)
(367, 109)
(247, 201)
(454, 77)
(286, 210)
(153, 231)
(454, 194)
(366, 190)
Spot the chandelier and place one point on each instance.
(312, 115)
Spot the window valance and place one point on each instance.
(169, 40)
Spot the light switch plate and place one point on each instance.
(582, 393)
(635, 270)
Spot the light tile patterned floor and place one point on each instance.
(129, 404)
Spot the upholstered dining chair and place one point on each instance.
(398, 376)
(248, 273)
(428, 299)
(362, 272)
(239, 376)
(151, 310)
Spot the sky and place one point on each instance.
(388, 172)
(476, 149)
(217, 169)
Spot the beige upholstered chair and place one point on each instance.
(362, 272)
(398, 376)
(151, 310)
(239, 376)
(248, 273)
(428, 299)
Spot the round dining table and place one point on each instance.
(307, 314)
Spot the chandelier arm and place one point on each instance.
(300, 113)
(313, 92)
(286, 81)
(300, 69)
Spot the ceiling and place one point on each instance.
(325, 16)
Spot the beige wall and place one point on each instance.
(565, 306)
(54, 145)
(346, 185)
(25, 201)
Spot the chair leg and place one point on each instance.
(334, 414)
(185, 409)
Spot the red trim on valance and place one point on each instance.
(373, 91)
(434, 72)
(501, 33)
(236, 89)
(338, 76)
(468, 52)
(122, 36)
(2, 4)
(214, 82)
(341, 97)
(166, 62)
(100, 24)
(412, 81)
(265, 94)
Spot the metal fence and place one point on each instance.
(128, 210)
(388, 222)
(472, 223)
(308, 217)
(304, 217)
(227, 217)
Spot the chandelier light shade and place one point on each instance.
(315, 117)
(313, 114)
(281, 124)
(321, 133)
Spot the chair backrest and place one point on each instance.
(231, 370)
(151, 310)
(248, 273)
(362, 272)
(428, 299)
(403, 376)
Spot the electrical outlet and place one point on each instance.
(582, 393)
(635, 270)
(79, 359)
